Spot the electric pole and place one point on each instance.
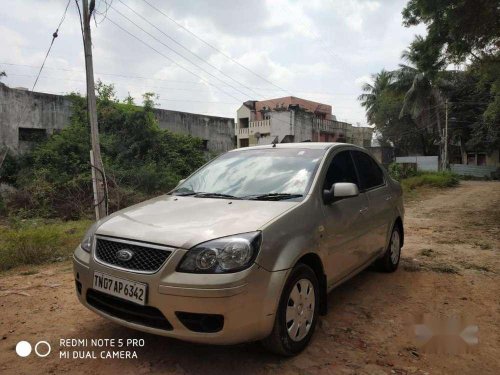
(445, 161)
(98, 184)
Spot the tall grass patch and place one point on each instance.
(31, 242)
(431, 179)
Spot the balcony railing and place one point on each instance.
(263, 126)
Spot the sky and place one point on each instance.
(321, 50)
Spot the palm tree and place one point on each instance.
(420, 80)
(372, 93)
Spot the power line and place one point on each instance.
(144, 87)
(216, 49)
(185, 48)
(172, 61)
(54, 36)
(274, 101)
(181, 66)
(167, 80)
(137, 86)
(179, 54)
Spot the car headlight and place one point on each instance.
(223, 255)
(88, 239)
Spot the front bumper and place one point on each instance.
(247, 300)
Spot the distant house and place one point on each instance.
(475, 163)
(383, 154)
(291, 119)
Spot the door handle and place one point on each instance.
(388, 197)
(363, 210)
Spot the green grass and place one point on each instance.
(430, 179)
(37, 241)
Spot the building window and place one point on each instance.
(243, 122)
(244, 142)
(471, 159)
(481, 159)
(32, 135)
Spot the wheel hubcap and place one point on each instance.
(300, 309)
(395, 248)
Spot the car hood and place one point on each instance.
(187, 221)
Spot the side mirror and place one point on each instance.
(181, 181)
(340, 190)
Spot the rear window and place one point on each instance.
(370, 174)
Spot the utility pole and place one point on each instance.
(99, 182)
(445, 161)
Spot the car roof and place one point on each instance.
(299, 145)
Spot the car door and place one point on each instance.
(345, 222)
(375, 187)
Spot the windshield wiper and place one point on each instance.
(183, 193)
(273, 196)
(214, 195)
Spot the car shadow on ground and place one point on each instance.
(162, 354)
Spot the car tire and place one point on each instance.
(297, 313)
(390, 261)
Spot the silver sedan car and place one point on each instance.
(246, 248)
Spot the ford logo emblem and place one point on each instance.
(124, 255)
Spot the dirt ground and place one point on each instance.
(450, 264)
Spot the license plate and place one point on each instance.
(122, 288)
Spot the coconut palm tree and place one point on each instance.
(372, 93)
(421, 81)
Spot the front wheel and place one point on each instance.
(390, 261)
(297, 313)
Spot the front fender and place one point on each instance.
(289, 237)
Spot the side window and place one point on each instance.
(341, 169)
(370, 174)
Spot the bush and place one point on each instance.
(400, 171)
(37, 241)
(434, 179)
(140, 160)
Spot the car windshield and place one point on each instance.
(266, 174)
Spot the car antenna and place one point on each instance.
(275, 141)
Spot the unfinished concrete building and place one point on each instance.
(28, 117)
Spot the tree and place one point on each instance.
(383, 103)
(2, 74)
(141, 159)
(461, 28)
(372, 94)
(421, 82)
(458, 31)
(466, 31)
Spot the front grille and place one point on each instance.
(144, 258)
(131, 312)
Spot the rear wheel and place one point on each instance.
(297, 313)
(390, 261)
